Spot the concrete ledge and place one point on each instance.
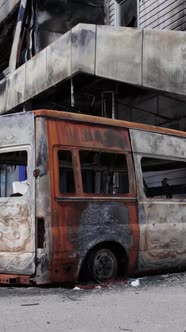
(83, 48)
(59, 60)
(119, 54)
(148, 58)
(164, 60)
(3, 94)
(16, 88)
(36, 75)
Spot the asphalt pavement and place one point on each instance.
(151, 304)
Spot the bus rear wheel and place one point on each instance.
(103, 265)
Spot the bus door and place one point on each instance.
(95, 193)
(164, 187)
(109, 195)
(160, 164)
(17, 195)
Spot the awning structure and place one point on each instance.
(145, 58)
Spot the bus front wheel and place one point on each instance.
(103, 265)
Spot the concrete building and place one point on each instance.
(108, 58)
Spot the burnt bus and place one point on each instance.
(83, 196)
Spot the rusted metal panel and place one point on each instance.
(79, 134)
(164, 60)
(17, 216)
(152, 231)
(109, 221)
(68, 116)
(79, 223)
(120, 58)
(14, 279)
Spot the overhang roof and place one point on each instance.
(146, 58)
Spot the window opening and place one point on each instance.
(164, 178)
(128, 13)
(66, 175)
(104, 173)
(121, 12)
(13, 173)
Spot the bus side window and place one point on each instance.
(13, 171)
(164, 178)
(104, 173)
(66, 175)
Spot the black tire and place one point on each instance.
(102, 265)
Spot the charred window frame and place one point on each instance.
(66, 172)
(7, 29)
(128, 12)
(163, 178)
(104, 173)
(13, 173)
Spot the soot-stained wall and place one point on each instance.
(55, 17)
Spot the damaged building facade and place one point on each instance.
(117, 63)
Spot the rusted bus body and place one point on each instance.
(49, 235)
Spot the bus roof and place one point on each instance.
(68, 116)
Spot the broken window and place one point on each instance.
(104, 173)
(164, 178)
(13, 173)
(128, 13)
(66, 175)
